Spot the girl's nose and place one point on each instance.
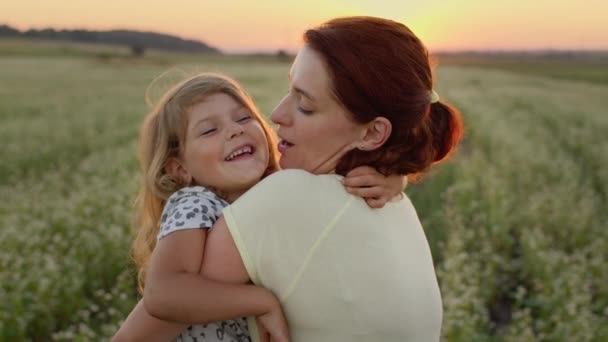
(235, 130)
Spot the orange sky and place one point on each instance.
(238, 25)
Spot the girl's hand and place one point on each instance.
(272, 325)
(264, 334)
(375, 188)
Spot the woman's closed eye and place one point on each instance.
(305, 111)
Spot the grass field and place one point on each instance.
(517, 220)
(583, 66)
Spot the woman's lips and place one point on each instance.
(284, 145)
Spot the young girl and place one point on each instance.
(203, 146)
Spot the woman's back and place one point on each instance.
(342, 271)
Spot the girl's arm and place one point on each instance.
(374, 187)
(141, 326)
(177, 296)
(179, 256)
(175, 292)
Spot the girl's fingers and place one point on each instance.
(364, 180)
(366, 193)
(376, 202)
(280, 339)
(361, 170)
(264, 335)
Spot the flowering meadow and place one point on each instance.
(517, 220)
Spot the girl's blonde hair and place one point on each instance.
(162, 137)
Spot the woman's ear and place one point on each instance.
(175, 168)
(375, 134)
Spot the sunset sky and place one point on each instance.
(239, 25)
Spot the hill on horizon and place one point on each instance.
(130, 38)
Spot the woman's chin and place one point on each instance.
(285, 163)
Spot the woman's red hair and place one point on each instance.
(379, 68)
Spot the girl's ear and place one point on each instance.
(176, 169)
(375, 134)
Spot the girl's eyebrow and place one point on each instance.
(238, 108)
(194, 127)
(201, 121)
(209, 117)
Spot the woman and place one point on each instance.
(361, 94)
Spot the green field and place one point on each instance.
(517, 220)
(590, 66)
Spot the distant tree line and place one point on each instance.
(525, 56)
(136, 40)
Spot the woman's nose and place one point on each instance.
(280, 115)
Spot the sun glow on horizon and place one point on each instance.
(272, 25)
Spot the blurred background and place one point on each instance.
(517, 220)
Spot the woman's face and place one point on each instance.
(315, 130)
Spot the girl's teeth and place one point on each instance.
(238, 153)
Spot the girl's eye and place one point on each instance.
(304, 111)
(244, 119)
(209, 131)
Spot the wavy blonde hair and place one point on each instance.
(162, 137)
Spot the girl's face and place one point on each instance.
(314, 128)
(225, 147)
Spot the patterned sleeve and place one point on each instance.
(189, 210)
